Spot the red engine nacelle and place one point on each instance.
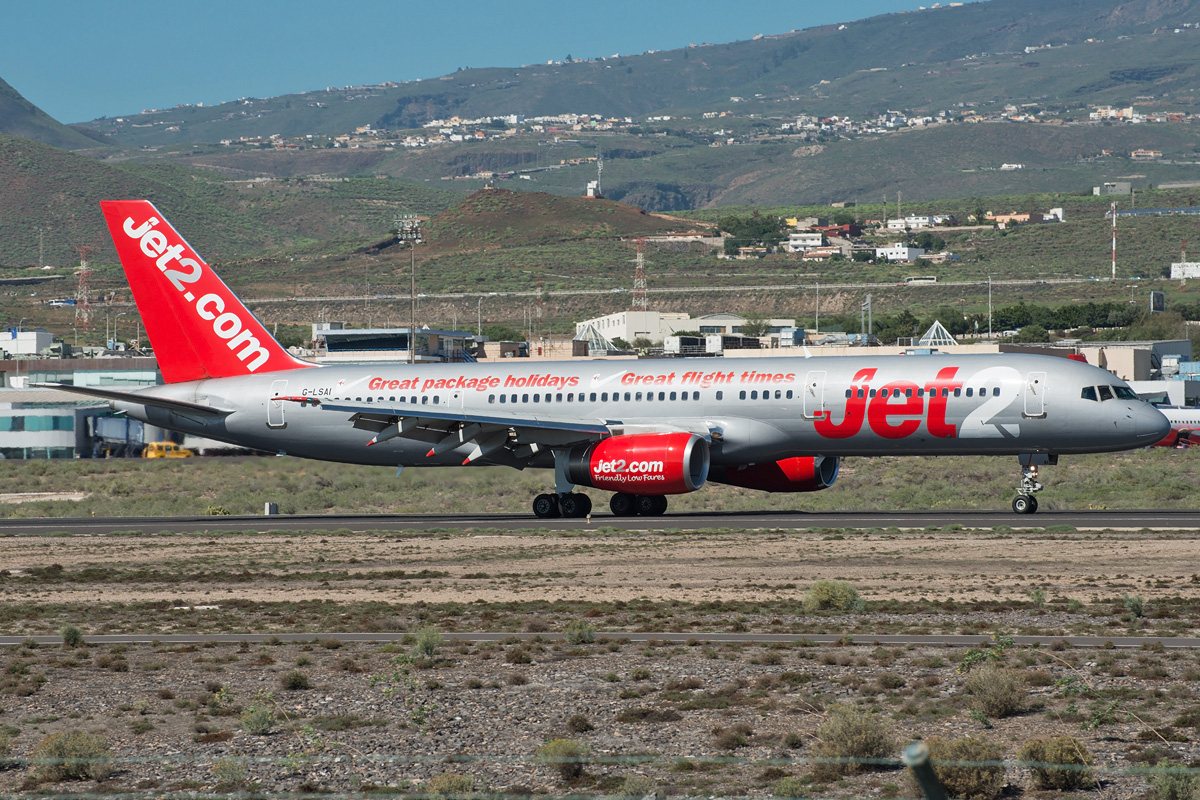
(799, 474)
(644, 463)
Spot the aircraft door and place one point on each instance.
(275, 405)
(1035, 395)
(814, 394)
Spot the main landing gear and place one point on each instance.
(574, 505)
(571, 504)
(1025, 502)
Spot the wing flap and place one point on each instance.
(113, 395)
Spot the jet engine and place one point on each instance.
(799, 474)
(642, 463)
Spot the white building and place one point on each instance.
(630, 325)
(25, 342)
(899, 251)
(803, 241)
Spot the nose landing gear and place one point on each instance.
(1025, 502)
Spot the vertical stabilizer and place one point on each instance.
(197, 325)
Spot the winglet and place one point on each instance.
(198, 327)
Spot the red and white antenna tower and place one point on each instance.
(83, 304)
(639, 276)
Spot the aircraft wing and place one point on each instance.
(446, 429)
(137, 397)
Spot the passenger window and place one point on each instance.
(537, 398)
(895, 392)
(513, 399)
(524, 398)
(571, 397)
(754, 395)
(503, 398)
(593, 397)
(491, 398)
(970, 392)
(663, 395)
(696, 395)
(370, 399)
(639, 396)
(672, 395)
(1089, 393)
(920, 392)
(603, 396)
(720, 395)
(789, 393)
(872, 394)
(436, 399)
(557, 397)
(848, 393)
(908, 392)
(957, 392)
(425, 400)
(1105, 393)
(742, 395)
(627, 396)
(995, 391)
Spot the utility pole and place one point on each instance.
(1113, 211)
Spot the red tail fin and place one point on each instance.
(198, 327)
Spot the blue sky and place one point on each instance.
(81, 59)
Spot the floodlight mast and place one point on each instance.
(408, 229)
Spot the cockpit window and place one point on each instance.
(1106, 393)
(1088, 393)
(1125, 393)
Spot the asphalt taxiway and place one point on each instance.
(1091, 520)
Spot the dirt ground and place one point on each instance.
(436, 567)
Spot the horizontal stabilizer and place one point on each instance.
(138, 398)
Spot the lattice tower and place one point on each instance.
(83, 304)
(639, 277)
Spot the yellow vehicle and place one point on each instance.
(166, 450)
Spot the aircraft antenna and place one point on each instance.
(639, 276)
(83, 305)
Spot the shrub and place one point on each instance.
(565, 755)
(579, 723)
(981, 782)
(258, 720)
(518, 655)
(229, 774)
(428, 641)
(790, 787)
(733, 737)
(1134, 605)
(996, 691)
(450, 784)
(637, 786)
(294, 681)
(5, 751)
(1061, 763)
(579, 632)
(71, 636)
(832, 596)
(71, 755)
(1174, 782)
(848, 736)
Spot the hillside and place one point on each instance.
(45, 187)
(492, 218)
(933, 57)
(19, 117)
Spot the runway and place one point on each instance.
(1091, 520)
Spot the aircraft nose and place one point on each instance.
(1150, 423)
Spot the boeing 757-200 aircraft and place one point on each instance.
(643, 430)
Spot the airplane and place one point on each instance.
(1184, 423)
(642, 430)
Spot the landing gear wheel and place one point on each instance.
(651, 505)
(1024, 504)
(574, 505)
(622, 505)
(545, 506)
